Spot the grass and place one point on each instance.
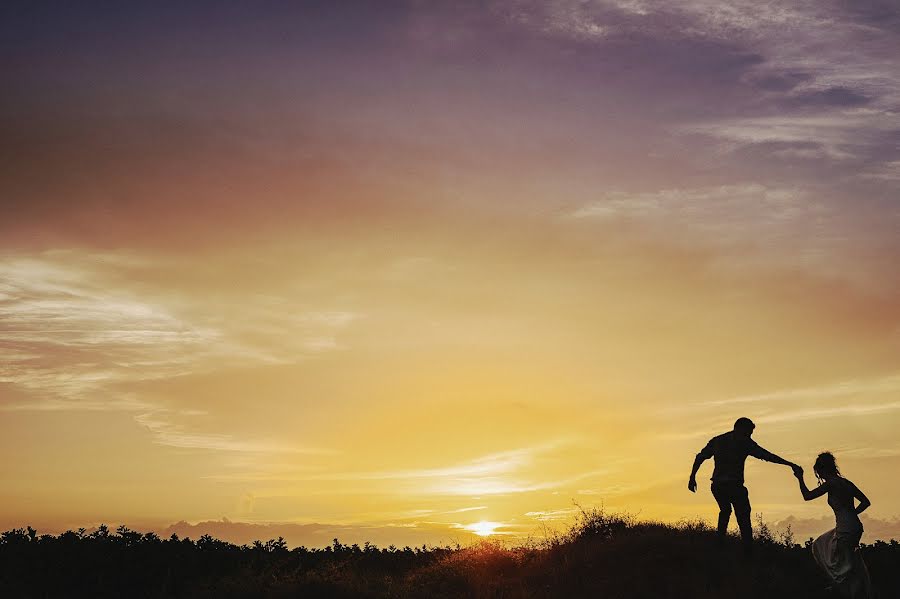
(601, 555)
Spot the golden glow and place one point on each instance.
(403, 270)
(484, 528)
(304, 397)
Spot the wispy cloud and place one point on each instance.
(831, 412)
(524, 483)
(489, 467)
(841, 135)
(750, 227)
(888, 172)
(850, 398)
(718, 209)
(78, 334)
(687, 18)
(74, 326)
(467, 509)
(169, 433)
(552, 515)
(514, 471)
(769, 224)
(504, 462)
(887, 384)
(824, 87)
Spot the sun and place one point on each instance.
(484, 528)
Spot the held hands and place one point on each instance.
(692, 485)
(798, 471)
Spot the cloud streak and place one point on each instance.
(78, 336)
(886, 384)
(508, 472)
(166, 432)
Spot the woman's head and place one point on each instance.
(825, 466)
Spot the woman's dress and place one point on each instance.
(837, 551)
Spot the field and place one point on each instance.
(602, 555)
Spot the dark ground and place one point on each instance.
(602, 555)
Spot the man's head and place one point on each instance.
(744, 427)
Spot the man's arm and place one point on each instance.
(705, 454)
(767, 456)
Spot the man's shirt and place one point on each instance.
(730, 451)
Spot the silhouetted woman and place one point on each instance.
(837, 551)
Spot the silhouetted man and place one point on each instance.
(730, 450)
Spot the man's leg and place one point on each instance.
(723, 498)
(742, 514)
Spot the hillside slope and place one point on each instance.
(602, 555)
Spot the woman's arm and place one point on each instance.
(807, 494)
(864, 502)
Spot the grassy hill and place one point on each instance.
(602, 555)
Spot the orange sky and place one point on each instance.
(397, 298)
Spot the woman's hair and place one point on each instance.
(825, 465)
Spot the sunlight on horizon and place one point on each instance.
(484, 528)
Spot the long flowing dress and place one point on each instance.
(837, 551)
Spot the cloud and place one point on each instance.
(467, 509)
(166, 432)
(488, 485)
(841, 136)
(880, 14)
(813, 64)
(888, 172)
(727, 207)
(886, 384)
(852, 398)
(488, 468)
(504, 462)
(685, 19)
(781, 82)
(868, 452)
(813, 85)
(837, 95)
(778, 225)
(81, 331)
(515, 471)
(552, 515)
(830, 412)
(75, 334)
(74, 324)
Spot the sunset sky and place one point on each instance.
(388, 270)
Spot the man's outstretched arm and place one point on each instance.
(767, 456)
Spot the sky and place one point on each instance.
(411, 272)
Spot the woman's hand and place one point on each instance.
(798, 471)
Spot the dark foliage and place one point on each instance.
(602, 555)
